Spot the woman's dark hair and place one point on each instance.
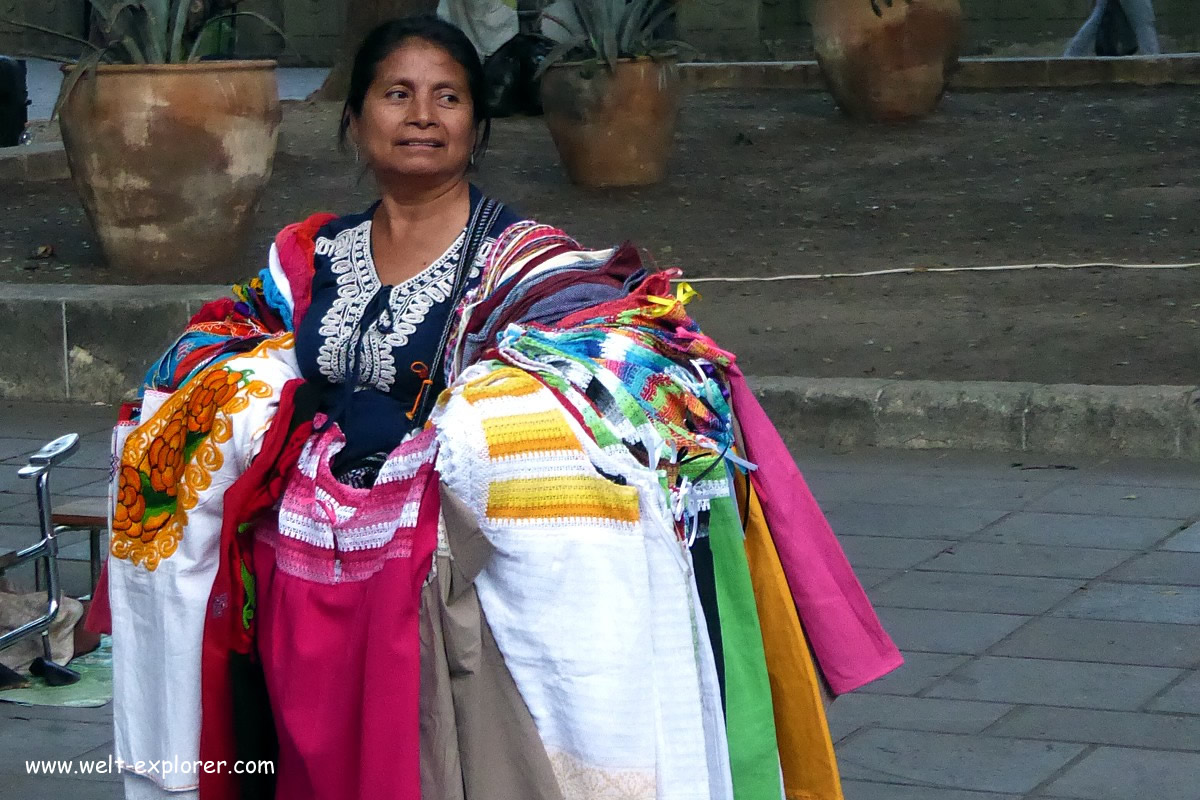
(391, 36)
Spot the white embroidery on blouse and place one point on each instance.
(408, 305)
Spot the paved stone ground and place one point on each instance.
(1048, 615)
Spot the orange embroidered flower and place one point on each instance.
(131, 505)
(166, 457)
(152, 525)
(214, 391)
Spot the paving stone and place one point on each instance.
(24, 740)
(90, 454)
(1118, 773)
(1125, 728)
(1122, 500)
(46, 421)
(101, 755)
(948, 463)
(870, 790)
(1186, 541)
(888, 553)
(951, 492)
(918, 671)
(98, 716)
(877, 519)
(61, 479)
(1182, 569)
(1134, 602)
(1184, 697)
(927, 630)
(16, 510)
(96, 489)
(1080, 530)
(1142, 472)
(78, 546)
(14, 448)
(1027, 559)
(954, 761)
(870, 577)
(1113, 642)
(950, 591)
(56, 787)
(832, 488)
(854, 711)
(1035, 681)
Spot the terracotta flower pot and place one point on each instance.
(890, 67)
(170, 161)
(613, 128)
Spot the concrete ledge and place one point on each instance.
(973, 73)
(93, 344)
(1143, 421)
(34, 162)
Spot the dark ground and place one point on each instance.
(776, 182)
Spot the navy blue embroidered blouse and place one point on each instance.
(351, 333)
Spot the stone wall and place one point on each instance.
(719, 29)
(1002, 27)
(65, 16)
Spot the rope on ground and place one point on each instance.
(817, 276)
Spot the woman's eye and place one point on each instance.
(397, 94)
(450, 98)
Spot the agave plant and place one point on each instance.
(608, 30)
(145, 32)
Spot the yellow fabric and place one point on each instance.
(805, 747)
(525, 434)
(580, 496)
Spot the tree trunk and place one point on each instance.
(361, 17)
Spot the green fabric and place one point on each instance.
(749, 713)
(92, 690)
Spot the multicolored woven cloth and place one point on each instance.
(221, 329)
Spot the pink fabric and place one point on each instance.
(339, 578)
(850, 644)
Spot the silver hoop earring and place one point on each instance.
(471, 161)
(357, 155)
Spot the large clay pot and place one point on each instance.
(170, 162)
(889, 67)
(613, 127)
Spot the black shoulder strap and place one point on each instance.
(484, 215)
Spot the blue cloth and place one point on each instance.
(374, 337)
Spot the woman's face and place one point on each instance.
(417, 119)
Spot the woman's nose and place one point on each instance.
(421, 112)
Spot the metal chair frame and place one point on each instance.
(45, 552)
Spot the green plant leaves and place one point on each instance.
(608, 30)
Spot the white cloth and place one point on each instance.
(159, 597)
(487, 23)
(596, 617)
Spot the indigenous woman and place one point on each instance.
(443, 505)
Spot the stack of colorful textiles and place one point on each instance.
(654, 571)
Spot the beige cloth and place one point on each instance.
(18, 609)
(478, 739)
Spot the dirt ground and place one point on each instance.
(768, 183)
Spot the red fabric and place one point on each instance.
(99, 616)
(850, 644)
(256, 491)
(342, 664)
(296, 245)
